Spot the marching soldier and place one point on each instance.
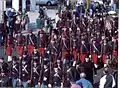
(35, 55)
(31, 42)
(15, 71)
(84, 50)
(53, 48)
(74, 47)
(95, 51)
(35, 73)
(57, 77)
(65, 45)
(25, 72)
(41, 42)
(45, 76)
(104, 50)
(9, 47)
(20, 44)
(4, 70)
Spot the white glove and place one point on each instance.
(49, 85)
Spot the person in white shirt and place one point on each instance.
(107, 81)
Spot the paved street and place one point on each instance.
(34, 15)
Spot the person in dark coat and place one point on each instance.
(89, 68)
(4, 70)
(45, 76)
(95, 50)
(35, 73)
(107, 81)
(25, 72)
(35, 55)
(15, 71)
(41, 42)
(20, 43)
(57, 77)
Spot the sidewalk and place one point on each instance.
(34, 15)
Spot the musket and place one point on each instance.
(50, 58)
(31, 68)
(62, 86)
(79, 38)
(71, 48)
(90, 37)
(41, 69)
(102, 42)
(20, 70)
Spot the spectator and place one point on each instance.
(75, 86)
(85, 83)
(107, 81)
(89, 68)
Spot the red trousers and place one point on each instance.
(41, 50)
(64, 54)
(30, 49)
(20, 50)
(115, 53)
(104, 59)
(9, 50)
(82, 57)
(94, 58)
(74, 54)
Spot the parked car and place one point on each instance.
(47, 2)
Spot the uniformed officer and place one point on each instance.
(57, 77)
(41, 42)
(95, 50)
(45, 76)
(25, 72)
(35, 73)
(84, 50)
(65, 45)
(4, 72)
(31, 42)
(74, 47)
(35, 55)
(53, 48)
(9, 47)
(104, 49)
(20, 44)
(15, 71)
